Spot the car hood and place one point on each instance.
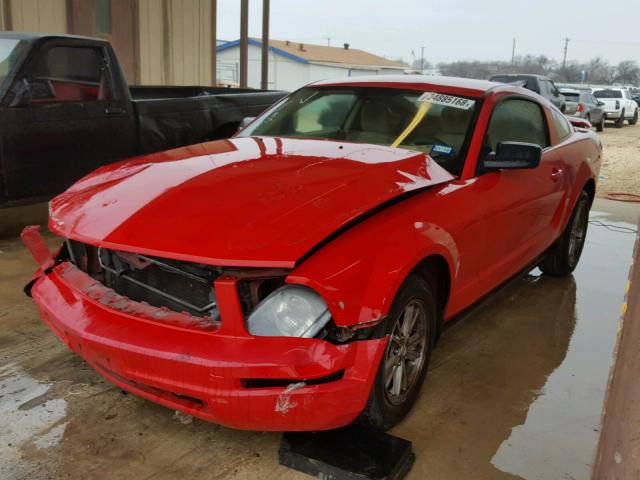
(256, 201)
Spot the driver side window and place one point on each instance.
(516, 120)
(69, 74)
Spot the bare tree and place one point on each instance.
(628, 73)
(417, 63)
(597, 70)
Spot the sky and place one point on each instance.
(451, 30)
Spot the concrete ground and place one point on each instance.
(515, 389)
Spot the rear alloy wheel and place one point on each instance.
(620, 120)
(600, 125)
(563, 256)
(634, 119)
(404, 365)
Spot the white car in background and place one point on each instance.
(618, 104)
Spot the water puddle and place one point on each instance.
(558, 438)
(24, 419)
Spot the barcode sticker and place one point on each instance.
(447, 100)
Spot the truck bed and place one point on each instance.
(161, 92)
(174, 116)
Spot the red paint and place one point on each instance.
(272, 202)
(32, 239)
(263, 203)
(166, 362)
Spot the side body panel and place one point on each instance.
(360, 272)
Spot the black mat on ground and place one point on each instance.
(350, 453)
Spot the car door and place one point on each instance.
(596, 110)
(519, 205)
(554, 94)
(64, 128)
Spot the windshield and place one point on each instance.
(9, 53)
(429, 122)
(608, 94)
(570, 96)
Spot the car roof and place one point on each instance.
(570, 90)
(610, 87)
(477, 86)
(529, 75)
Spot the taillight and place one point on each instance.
(580, 108)
(617, 104)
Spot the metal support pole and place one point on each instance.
(214, 41)
(564, 57)
(618, 446)
(244, 42)
(264, 79)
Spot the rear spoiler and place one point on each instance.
(579, 122)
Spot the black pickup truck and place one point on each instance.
(65, 109)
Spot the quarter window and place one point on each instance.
(562, 125)
(516, 120)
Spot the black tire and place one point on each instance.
(384, 409)
(620, 120)
(563, 256)
(634, 120)
(600, 124)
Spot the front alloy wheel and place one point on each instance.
(411, 328)
(404, 357)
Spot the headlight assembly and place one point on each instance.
(290, 311)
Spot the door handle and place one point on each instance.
(115, 111)
(556, 174)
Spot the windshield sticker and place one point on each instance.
(447, 100)
(443, 149)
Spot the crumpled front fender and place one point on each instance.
(359, 273)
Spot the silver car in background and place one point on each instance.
(582, 103)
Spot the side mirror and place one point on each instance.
(513, 155)
(245, 122)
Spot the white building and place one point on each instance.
(292, 64)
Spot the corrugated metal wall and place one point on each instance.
(175, 35)
(38, 15)
(175, 42)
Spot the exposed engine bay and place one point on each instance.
(179, 286)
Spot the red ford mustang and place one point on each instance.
(297, 276)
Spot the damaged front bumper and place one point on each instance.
(221, 374)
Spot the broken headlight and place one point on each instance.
(290, 311)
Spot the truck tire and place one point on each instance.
(600, 124)
(620, 120)
(634, 119)
(563, 256)
(403, 366)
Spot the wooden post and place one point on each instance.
(244, 42)
(214, 41)
(6, 13)
(166, 43)
(618, 454)
(264, 79)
